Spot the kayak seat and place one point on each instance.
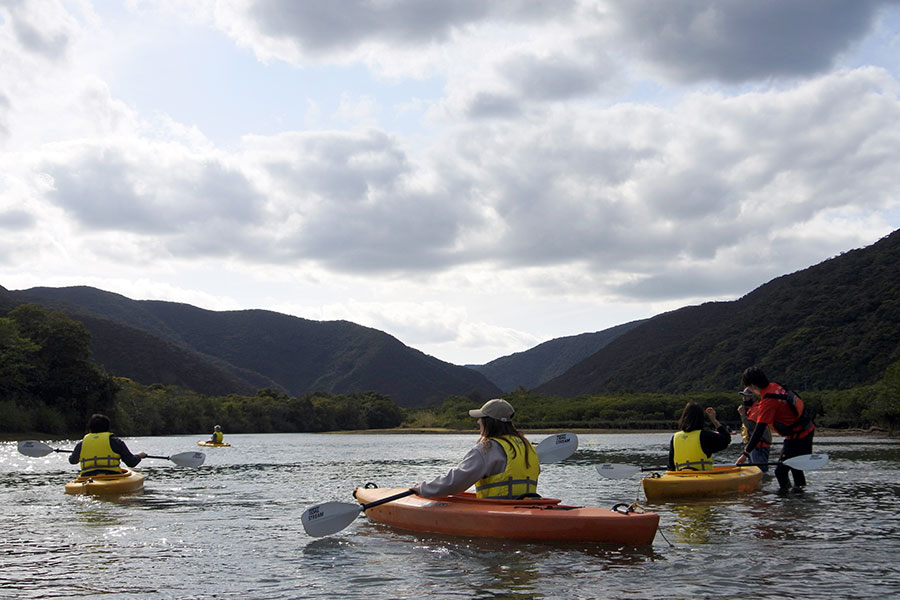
(528, 495)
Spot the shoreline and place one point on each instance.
(820, 432)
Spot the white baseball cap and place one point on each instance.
(498, 408)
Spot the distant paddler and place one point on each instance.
(217, 436)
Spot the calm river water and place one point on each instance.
(231, 528)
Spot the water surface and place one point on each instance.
(231, 529)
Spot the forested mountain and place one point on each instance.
(221, 352)
(832, 326)
(530, 368)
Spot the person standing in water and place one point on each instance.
(747, 410)
(785, 412)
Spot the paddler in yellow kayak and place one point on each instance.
(503, 464)
(100, 451)
(692, 447)
(217, 435)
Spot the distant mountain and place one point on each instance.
(225, 352)
(832, 326)
(542, 363)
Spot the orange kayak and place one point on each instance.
(531, 519)
(114, 483)
(694, 484)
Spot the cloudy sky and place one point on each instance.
(473, 177)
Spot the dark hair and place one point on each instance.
(754, 376)
(494, 429)
(98, 423)
(691, 417)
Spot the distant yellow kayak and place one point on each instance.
(209, 444)
(125, 482)
(697, 484)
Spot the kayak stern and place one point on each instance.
(125, 482)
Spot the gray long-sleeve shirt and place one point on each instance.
(481, 461)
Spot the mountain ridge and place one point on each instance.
(254, 348)
(833, 325)
(530, 368)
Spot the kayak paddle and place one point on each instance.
(804, 462)
(37, 449)
(330, 517)
(557, 447)
(184, 459)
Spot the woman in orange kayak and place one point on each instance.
(503, 464)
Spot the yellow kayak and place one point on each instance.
(125, 482)
(210, 444)
(694, 484)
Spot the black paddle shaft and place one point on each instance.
(375, 503)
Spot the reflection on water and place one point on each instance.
(694, 523)
(230, 529)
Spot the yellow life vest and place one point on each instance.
(517, 479)
(97, 454)
(218, 436)
(688, 453)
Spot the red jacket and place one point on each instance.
(784, 411)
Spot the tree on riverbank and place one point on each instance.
(48, 381)
(49, 384)
(874, 406)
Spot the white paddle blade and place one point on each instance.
(188, 459)
(807, 462)
(328, 518)
(34, 449)
(613, 471)
(557, 447)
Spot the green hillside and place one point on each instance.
(835, 325)
(533, 367)
(222, 352)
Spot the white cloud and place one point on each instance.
(473, 178)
